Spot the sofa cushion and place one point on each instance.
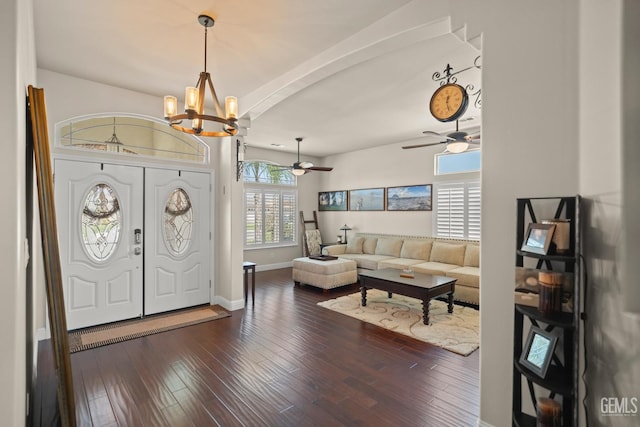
(354, 246)
(399, 263)
(448, 253)
(369, 245)
(416, 249)
(390, 247)
(436, 268)
(369, 262)
(472, 256)
(467, 276)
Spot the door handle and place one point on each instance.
(137, 236)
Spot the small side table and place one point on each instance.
(249, 267)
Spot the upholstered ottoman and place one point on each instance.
(324, 274)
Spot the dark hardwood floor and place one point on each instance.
(286, 362)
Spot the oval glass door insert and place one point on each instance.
(101, 222)
(178, 222)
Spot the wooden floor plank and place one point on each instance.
(284, 362)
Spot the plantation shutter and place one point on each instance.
(289, 210)
(473, 214)
(253, 210)
(272, 217)
(458, 210)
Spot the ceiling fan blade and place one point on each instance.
(320, 168)
(423, 145)
(473, 137)
(437, 135)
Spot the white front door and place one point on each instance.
(100, 213)
(177, 208)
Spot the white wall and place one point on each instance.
(529, 136)
(612, 335)
(18, 71)
(386, 166)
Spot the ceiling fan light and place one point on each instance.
(457, 147)
(298, 172)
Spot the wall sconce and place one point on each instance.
(240, 149)
(345, 228)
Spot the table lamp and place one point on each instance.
(345, 228)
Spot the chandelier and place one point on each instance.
(194, 101)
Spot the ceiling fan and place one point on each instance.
(456, 142)
(300, 168)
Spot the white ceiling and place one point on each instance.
(343, 75)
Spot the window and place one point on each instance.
(270, 205)
(458, 210)
(448, 163)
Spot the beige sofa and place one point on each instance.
(444, 257)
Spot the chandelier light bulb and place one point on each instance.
(170, 106)
(191, 98)
(231, 107)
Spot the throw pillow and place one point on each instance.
(354, 246)
(313, 241)
(389, 247)
(369, 245)
(472, 256)
(448, 253)
(416, 249)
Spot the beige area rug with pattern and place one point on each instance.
(83, 339)
(457, 332)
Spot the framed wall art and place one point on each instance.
(368, 199)
(333, 200)
(409, 198)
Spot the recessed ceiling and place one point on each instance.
(301, 68)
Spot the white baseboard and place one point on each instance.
(276, 266)
(484, 424)
(229, 305)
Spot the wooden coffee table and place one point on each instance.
(421, 286)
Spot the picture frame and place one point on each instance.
(367, 199)
(538, 237)
(409, 198)
(38, 141)
(538, 351)
(333, 200)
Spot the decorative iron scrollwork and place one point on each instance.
(448, 76)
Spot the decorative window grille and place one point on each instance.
(101, 222)
(178, 222)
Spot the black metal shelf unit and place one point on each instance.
(563, 376)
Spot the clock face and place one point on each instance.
(449, 102)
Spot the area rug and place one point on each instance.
(97, 336)
(457, 332)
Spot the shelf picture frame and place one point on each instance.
(367, 199)
(409, 198)
(538, 237)
(333, 200)
(538, 351)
